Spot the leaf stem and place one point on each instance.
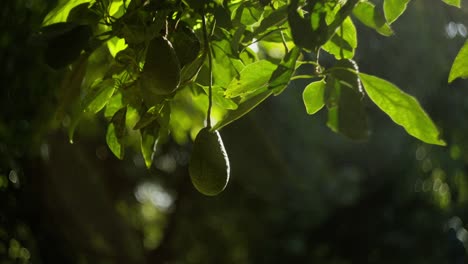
(305, 76)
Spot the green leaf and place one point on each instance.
(113, 142)
(347, 116)
(452, 2)
(164, 117)
(113, 105)
(150, 99)
(311, 25)
(346, 71)
(114, 7)
(150, 115)
(301, 29)
(343, 42)
(242, 109)
(61, 11)
(149, 136)
(69, 90)
(237, 37)
(250, 15)
(116, 133)
(98, 96)
(225, 66)
(460, 65)
(313, 97)
(223, 17)
(190, 71)
(218, 97)
(394, 8)
(252, 78)
(115, 45)
(282, 75)
(275, 18)
(82, 14)
(369, 16)
(248, 56)
(71, 85)
(402, 108)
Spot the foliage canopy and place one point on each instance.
(160, 68)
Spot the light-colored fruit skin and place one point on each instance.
(209, 164)
(161, 72)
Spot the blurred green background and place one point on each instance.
(298, 192)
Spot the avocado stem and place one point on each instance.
(210, 68)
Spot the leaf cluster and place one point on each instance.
(154, 68)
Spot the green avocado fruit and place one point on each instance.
(209, 163)
(161, 72)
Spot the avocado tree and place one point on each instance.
(159, 69)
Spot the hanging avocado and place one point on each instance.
(209, 163)
(161, 72)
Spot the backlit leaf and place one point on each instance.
(252, 78)
(112, 141)
(460, 65)
(113, 105)
(402, 108)
(275, 18)
(225, 66)
(343, 42)
(98, 96)
(452, 2)
(369, 16)
(149, 136)
(242, 109)
(150, 115)
(313, 97)
(219, 98)
(61, 11)
(116, 132)
(282, 75)
(115, 45)
(394, 8)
